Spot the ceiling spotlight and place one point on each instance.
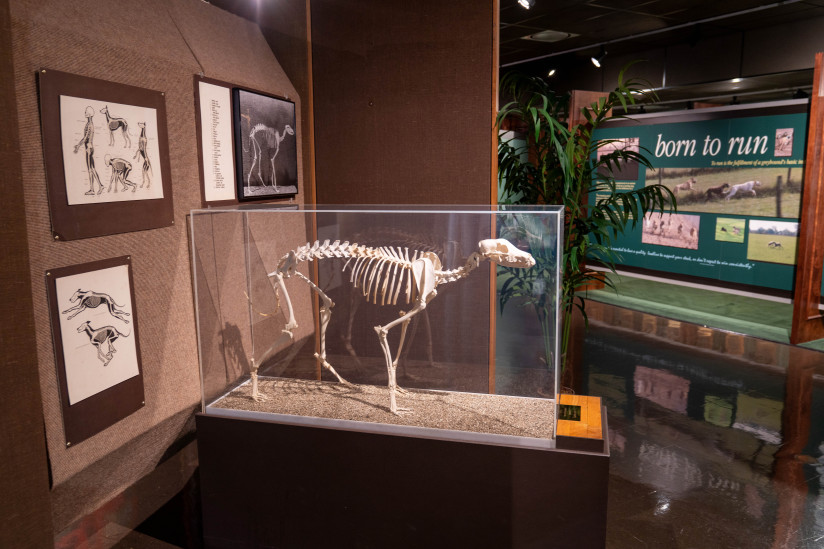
(551, 72)
(596, 60)
(737, 80)
(526, 3)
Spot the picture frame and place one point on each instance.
(265, 145)
(215, 141)
(106, 156)
(96, 344)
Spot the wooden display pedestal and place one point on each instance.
(268, 484)
(587, 433)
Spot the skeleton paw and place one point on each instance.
(403, 412)
(401, 391)
(260, 398)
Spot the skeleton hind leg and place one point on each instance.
(325, 316)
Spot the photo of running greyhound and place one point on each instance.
(734, 191)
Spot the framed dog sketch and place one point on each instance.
(215, 139)
(96, 349)
(106, 154)
(265, 146)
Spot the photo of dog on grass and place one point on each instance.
(772, 241)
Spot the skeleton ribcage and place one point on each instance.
(103, 335)
(270, 137)
(92, 301)
(384, 276)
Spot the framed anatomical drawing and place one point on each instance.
(97, 354)
(106, 154)
(265, 146)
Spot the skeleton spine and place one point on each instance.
(380, 272)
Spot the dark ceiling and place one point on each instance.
(634, 27)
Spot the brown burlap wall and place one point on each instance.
(160, 45)
(404, 91)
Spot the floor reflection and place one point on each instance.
(708, 449)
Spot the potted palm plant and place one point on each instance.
(562, 165)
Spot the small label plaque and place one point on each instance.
(569, 412)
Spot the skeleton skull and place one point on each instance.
(503, 252)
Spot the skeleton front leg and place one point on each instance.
(112, 181)
(391, 366)
(81, 306)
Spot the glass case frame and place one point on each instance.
(481, 334)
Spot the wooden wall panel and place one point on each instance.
(403, 101)
(25, 515)
(808, 322)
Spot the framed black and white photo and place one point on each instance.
(96, 348)
(265, 146)
(106, 155)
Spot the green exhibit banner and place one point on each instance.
(737, 174)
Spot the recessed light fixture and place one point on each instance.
(526, 3)
(551, 72)
(736, 80)
(549, 36)
(598, 59)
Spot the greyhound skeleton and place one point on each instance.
(273, 141)
(121, 169)
(384, 275)
(100, 336)
(114, 123)
(141, 150)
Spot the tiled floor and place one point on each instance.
(717, 440)
(709, 450)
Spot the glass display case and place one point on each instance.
(432, 321)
